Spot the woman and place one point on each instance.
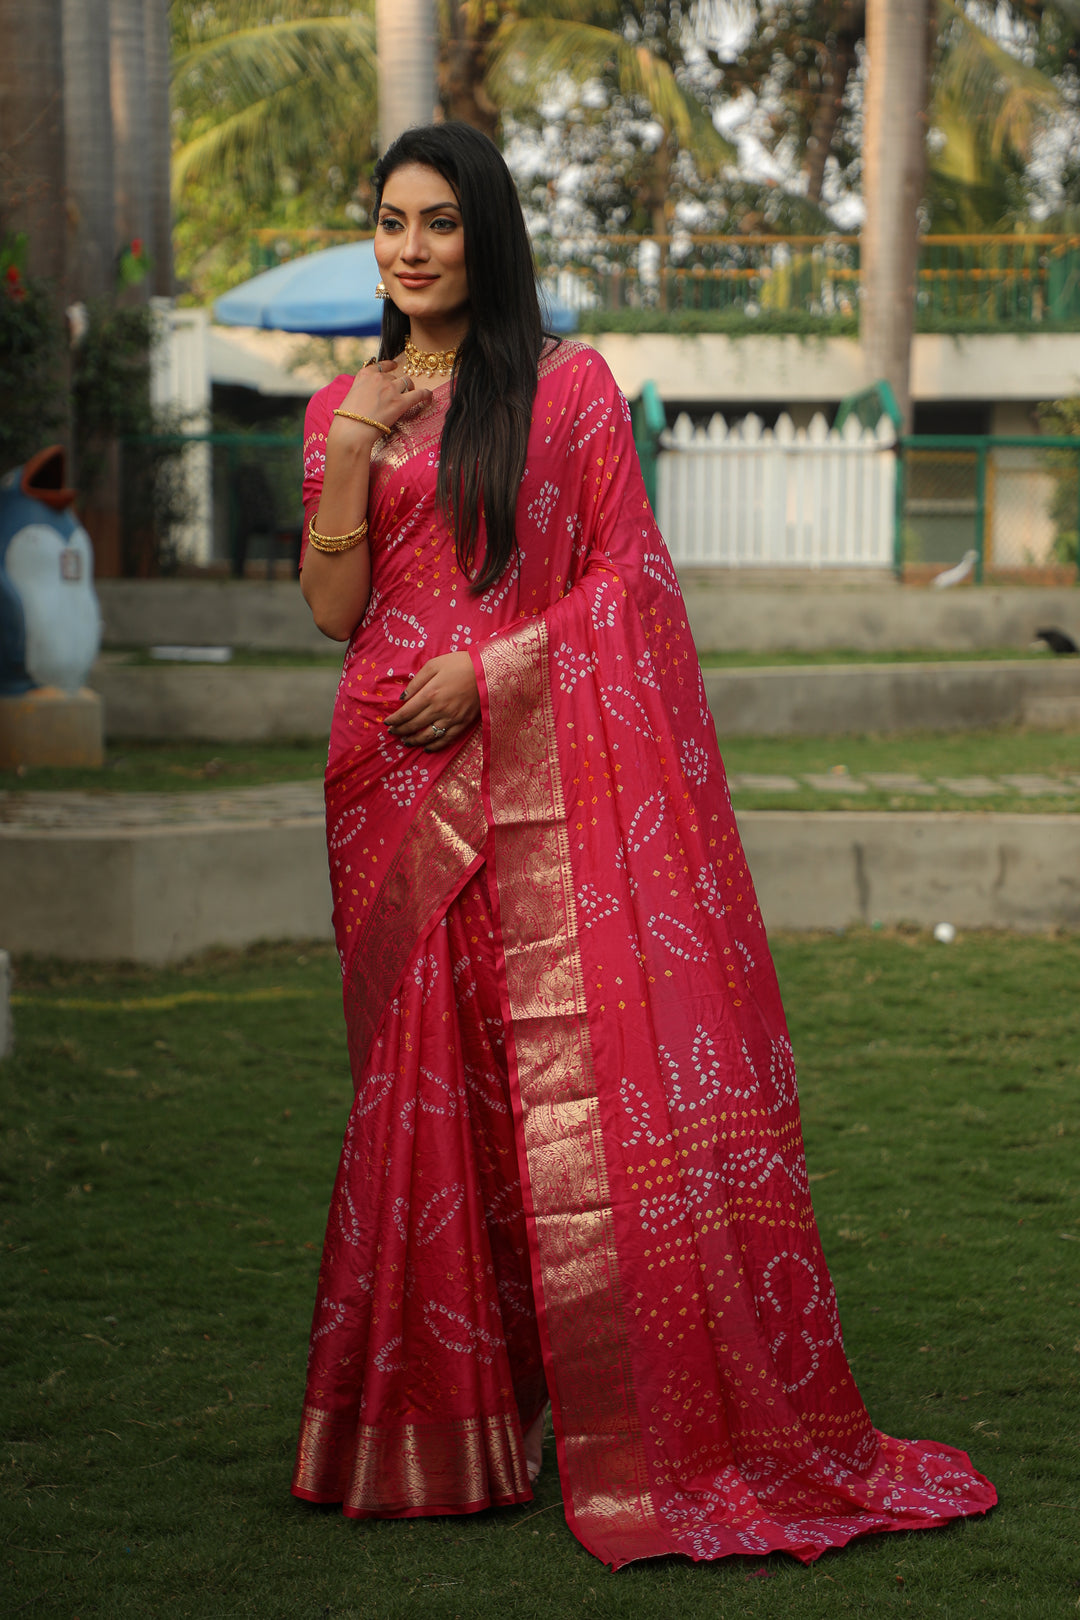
(573, 1168)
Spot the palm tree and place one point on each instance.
(986, 104)
(32, 133)
(894, 168)
(639, 50)
(88, 149)
(405, 46)
(131, 120)
(261, 99)
(159, 186)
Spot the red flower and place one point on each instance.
(136, 247)
(12, 274)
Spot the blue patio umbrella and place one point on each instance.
(329, 294)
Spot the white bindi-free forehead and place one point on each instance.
(416, 189)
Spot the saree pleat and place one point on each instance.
(574, 1164)
(425, 1363)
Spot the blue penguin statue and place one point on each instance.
(50, 625)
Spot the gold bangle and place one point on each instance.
(368, 421)
(337, 542)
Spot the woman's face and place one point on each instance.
(420, 246)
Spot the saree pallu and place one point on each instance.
(582, 999)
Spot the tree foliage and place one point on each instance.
(276, 116)
(997, 85)
(608, 109)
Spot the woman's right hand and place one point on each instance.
(337, 587)
(383, 392)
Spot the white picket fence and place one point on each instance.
(757, 497)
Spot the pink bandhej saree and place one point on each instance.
(573, 1168)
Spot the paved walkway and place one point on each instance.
(966, 787)
(303, 801)
(275, 803)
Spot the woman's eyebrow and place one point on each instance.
(436, 208)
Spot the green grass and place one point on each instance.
(854, 655)
(138, 767)
(244, 657)
(169, 1141)
(194, 767)
(736, 321)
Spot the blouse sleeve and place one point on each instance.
(317, 419)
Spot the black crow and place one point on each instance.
(1057, 641)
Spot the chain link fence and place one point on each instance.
(1001, 508)
(231, 503)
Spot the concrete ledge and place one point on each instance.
(215, 703)
(242, 704)
(828, 869)
(730, 611)
(270, 614)
(815, 700)
(159, 894)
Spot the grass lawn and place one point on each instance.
(853, 655)
(179, 768)
(169, 1141)
(263, 658)
(191, 767)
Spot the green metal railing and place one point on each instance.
(964, 282)
(1013, 500)
(252, 484)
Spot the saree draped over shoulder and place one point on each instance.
(573, 1167)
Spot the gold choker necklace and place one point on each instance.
(418, 364)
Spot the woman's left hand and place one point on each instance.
(441, 703)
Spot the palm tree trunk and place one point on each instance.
(842, 55)
(405, 46)
(88, 149)
(894, 168)
(463, 66)
(131, 122)
(32, 133)
(159, 233)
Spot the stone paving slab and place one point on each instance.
(754, 782)
(971, 787)
(279, 802)
(835, 782)
(274, 803)
(1033, 787)
(900, 782)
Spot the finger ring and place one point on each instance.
(439, 731)
(405, 387)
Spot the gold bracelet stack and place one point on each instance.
(368, 421)
(337, 542)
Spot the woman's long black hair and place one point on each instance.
(486, 432)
